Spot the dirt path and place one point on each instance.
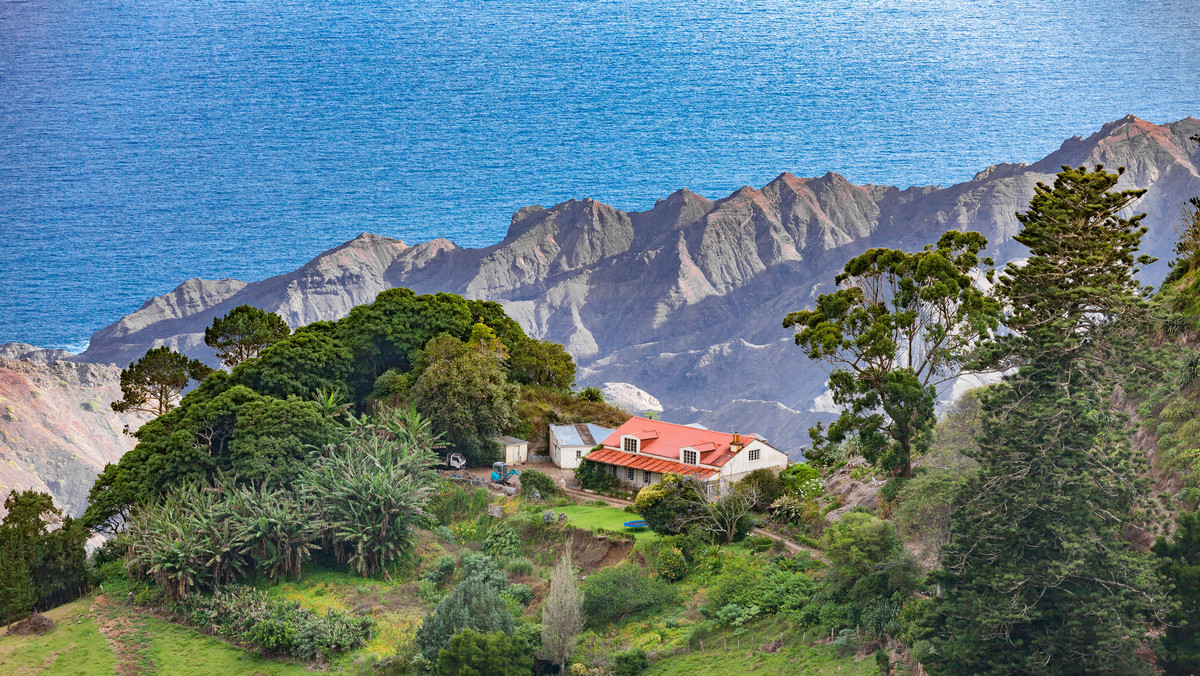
(791, 545)
(125, 635)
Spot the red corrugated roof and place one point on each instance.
(665, 440)
(611, 456)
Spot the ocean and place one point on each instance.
(143, 143)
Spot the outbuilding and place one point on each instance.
(516, 451)
(570, 443)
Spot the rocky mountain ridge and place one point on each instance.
(684, 300)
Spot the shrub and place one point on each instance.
(593, 477)
(532, 480)
(519, 567)
(736, 616)
(630, 662)
(672, 566)
(445, 534)
(473, 604)
(501, 542)
(428, 591)
(765, 485)
(859, 541)
(521, 593)
(442, 571)
(669, 505)
(592, 394)
(482, 568)
(802, 480)
(275, 627)
(845, 643)
(496, 654)
(758, 543)
(613, 593)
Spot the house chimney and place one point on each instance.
(737, 442)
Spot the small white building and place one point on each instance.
(570, 443)
(516, 451)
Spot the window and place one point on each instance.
(578, 454)
(754, 454)
(629, 473)
(631, 445)
(645, 477)
(691, 457)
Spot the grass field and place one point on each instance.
(730, 654)
(586, 516)
(74, 647)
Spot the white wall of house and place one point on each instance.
(568, 456)
(740, 465)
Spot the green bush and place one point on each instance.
(859, 541)
(521, 593)
(519, 568)
(802, 480)
(483, 568)
(592, 394)
(765, 484)
(613, 593)
(630, 662)
(672, 565)
(501, 542)
(494, 654)
(532, 480)
(593, 477)
(442, 571)
(473, 604)
(274, 627)
(758, 543)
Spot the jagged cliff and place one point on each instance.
(57, 427)
(684, 300)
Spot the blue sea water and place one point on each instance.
(142, 143)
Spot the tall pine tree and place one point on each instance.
(1037, 576)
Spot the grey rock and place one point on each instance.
(684, 300)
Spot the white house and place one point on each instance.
(570, 443)
(639, 452)
(516, 451)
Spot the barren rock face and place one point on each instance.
(57, 427)
(683, 301)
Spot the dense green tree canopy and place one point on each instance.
(1037, 577)
(465, 393)
(155, 382)
(901, 324)
(42, 556)
(259, 422)
(244, 333)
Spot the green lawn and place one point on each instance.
(724, 655)
(612, 518)
(180, 650)
(75, 646)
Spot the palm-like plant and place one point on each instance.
(373, 486)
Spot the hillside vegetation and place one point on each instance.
(287, 514)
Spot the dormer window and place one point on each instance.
(631, 444)
(691, 457)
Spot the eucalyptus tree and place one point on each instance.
(900, 325)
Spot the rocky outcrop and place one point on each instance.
(57, 427)
(684, 300)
